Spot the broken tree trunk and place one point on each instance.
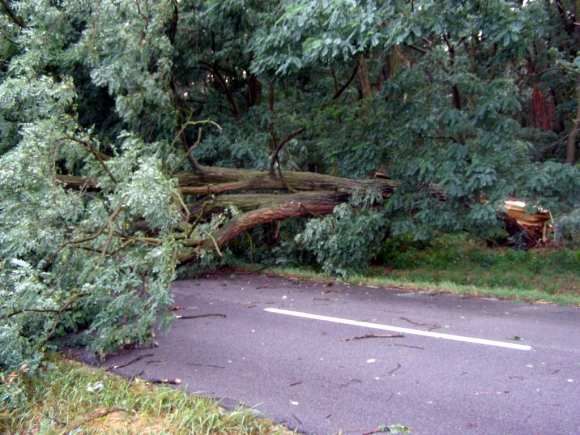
(532, 228)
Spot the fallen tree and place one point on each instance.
(291, 194)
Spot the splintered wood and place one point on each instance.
(536, 225)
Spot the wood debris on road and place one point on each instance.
(362, 337)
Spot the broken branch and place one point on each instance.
(279, 147)
(98, 155)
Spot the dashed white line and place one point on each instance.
(399, 329)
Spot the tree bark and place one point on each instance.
(365, 81)
(254, 91)
(214, 180)
(249, 220)
(571, 146)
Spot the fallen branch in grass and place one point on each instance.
(107, 412)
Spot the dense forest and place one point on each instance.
(138, 137)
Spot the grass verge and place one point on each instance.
(454, 264)
(71, 398)
(433, 286)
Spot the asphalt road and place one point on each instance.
(354, 371)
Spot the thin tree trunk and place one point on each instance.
(571, 148)
(363, 76)
(254, 91)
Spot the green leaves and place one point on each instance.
(344, 242)
(310, 33)
(152, 195)
(69, 263)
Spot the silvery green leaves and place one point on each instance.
(152, 195)
(127, 50)
(70, 259)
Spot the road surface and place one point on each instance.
(345, 358)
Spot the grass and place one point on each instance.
(455, 264)
(59, 401)
(460, 265)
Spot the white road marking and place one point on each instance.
(398, 329)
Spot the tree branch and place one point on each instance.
(346, 85)
(46, 310)
(223, 84)
(98, 155)
(417, 48)
(571, 146)
(15, 18)
(280, 145)
(173, 22)
(111, 231)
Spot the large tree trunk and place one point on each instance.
(214, 180)
(286, 195)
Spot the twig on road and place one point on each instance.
(377, 430)
(408, 345)
(362, 337)
(200, 316)
(347, 383)
(206, 365)
(395, 369)
(430, 325)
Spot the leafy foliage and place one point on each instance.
(345, 241)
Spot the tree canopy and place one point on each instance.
(141, 136)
